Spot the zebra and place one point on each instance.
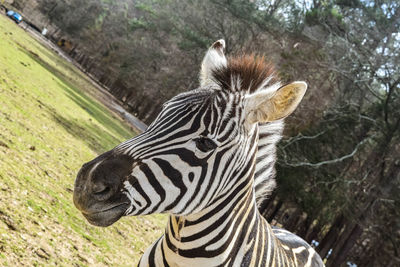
(206, 160)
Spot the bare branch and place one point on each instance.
(332, 161)
(300, 136)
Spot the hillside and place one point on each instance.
(50, 126)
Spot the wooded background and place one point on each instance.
(339, 163)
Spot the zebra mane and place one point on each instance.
(264, 178)
(251, 73)
(248, 73)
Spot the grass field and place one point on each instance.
(49, 127)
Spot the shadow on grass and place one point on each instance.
(92, 135)
(96, 110)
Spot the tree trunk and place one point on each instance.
(331, 237)
(303, 228)
(340, 253)
(291, 223)
(313, 232)
(275, 211)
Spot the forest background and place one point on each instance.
(339, 163)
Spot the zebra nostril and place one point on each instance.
(101, 191)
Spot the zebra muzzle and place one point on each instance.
(98, 188)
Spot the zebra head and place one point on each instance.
(200, 149)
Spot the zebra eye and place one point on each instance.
(205, 144)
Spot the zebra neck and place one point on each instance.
(231, 232)
(216, 236)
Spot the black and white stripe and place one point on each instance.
(206, 160)
(212, 197)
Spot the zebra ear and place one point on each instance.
(267, 106)
(213, 60)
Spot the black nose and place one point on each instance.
(101, 191)
(101, 179)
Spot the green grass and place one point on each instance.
(49, 126)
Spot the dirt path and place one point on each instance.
(102, 95)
